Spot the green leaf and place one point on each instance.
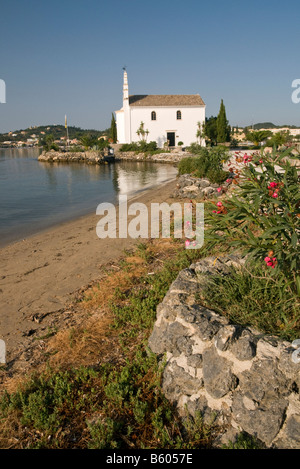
(298, 284)
(294, 240)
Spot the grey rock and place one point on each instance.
(287, 365)
(225, 336)
(185, 345)
(264, 422)
(156, 340)
(195, 360)
(217, 375)
(185, 282)
(207, 324)
(293, 429)
(245, 347)
(173, 333)
(204, 183)
(208, 191)
(199, 407)
(264, 381)
(179, 382)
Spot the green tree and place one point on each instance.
(279, 138)
(142, 133)
(223, 128)
(88, 141)
(47, 143)
(113, 129)
(210, 130)
(258, 136)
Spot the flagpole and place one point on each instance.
(66, 126)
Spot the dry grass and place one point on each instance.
(92, 343)
(93, 340)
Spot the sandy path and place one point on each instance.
(40, 274)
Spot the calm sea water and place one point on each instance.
(36, 195)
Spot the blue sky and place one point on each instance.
(66, 57)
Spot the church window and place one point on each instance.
(153, 116)
(178, 115)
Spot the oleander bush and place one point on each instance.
(261, 217)
(207, 163)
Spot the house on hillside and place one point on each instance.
(166, 118)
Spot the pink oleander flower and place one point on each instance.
(187, 243)
(272, 185)
(219, 204)
(275, 195)
(228, 180)
(214, 211)
(270, 261)
(219, 189)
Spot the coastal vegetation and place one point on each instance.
(206, 163)
(113, 129)
(56, 131)
(99, 385)
(79, 401)
(142, 147)
(261, 220)
(217, 129)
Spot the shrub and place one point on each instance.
(262, 217)
(129, 147)
(139, 147)
(207, 163)
(102, 144)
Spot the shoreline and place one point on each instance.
(55, 224)
(41, 274)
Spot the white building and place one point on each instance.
(173, 118)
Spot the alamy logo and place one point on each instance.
(296, 353)
(296, 93)
(2, 352)
(159, 222)
(2, 92)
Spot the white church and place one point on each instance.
(166, 118)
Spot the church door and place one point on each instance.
(171, 138)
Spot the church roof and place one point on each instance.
(166, 100)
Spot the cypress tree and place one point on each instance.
(113, 129)
(223, 128)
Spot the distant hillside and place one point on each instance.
(57, 131)
(270, 125)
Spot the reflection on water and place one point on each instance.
(36, 195)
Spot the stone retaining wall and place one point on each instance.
(198, 188)
(95, 157)
(173, 157)
(89, 157)
(245, 380)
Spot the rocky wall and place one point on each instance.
(243, 380)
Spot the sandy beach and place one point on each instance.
(41, 274)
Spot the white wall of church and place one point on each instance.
(120, 123)
(166, 121)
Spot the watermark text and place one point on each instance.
(296, 92)
(2, 92)
(135, 221)
(2, 352)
